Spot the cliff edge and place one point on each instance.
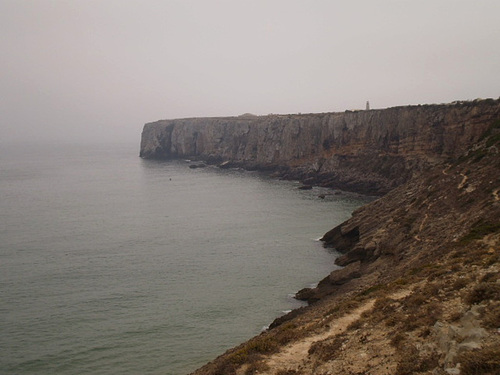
(419, 291)
(369, 152)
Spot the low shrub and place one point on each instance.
(372, 289)
(480, 361)
(288, 372)
(256, 368)
(327, 349)
(397, 340)
(460, 283)
(423, 317)
(357, 324)
(483, 292)
(414, 301)
(491, 316)
(264, 345)
(479, 230)
(394, 319)
(490, 277)
(412, 362)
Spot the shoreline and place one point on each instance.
(416, 264)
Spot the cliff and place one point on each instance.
(419, 292)
(369, 151)
(419, 287)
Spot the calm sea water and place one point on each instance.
(110, 264)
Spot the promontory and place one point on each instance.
(419, 287)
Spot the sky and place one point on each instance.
(97, 70)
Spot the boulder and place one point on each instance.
(355, 255)
(305, 187)
(343, 275)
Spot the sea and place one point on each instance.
(111, 264)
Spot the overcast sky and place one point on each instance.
(100, 69)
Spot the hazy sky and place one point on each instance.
(88, 69)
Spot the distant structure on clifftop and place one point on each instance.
(367, 105)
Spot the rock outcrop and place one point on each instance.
(369, 151)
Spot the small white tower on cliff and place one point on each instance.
(367, 105)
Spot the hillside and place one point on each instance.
(420, 289)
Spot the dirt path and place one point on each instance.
(495, 195)
(295, 355)
(463, 182)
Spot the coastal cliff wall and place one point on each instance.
(419, 287)
(369, 151)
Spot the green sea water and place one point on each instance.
(110, 264)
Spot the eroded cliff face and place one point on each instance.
(366, 151)
(419, 291)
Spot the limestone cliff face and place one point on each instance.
(367, 151)
(419, 291)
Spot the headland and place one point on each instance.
(419, 291)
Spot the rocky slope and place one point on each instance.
(370, 151)
(420, 289)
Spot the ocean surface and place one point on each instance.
(110, 264)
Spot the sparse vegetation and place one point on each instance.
(484, 291)
(372, 289)
(480, 361)
(327, 349)
(480, 229)
(288, 372)
(491, 316)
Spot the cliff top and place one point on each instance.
(250, 116)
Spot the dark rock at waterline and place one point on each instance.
(341, 239)
(305, 187)
(194, 166)
(355, 255)
(330, 283)
(343, 275)
(285, 318)
(310, 295)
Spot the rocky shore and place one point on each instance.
(419, 287)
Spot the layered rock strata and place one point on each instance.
(369, 151)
